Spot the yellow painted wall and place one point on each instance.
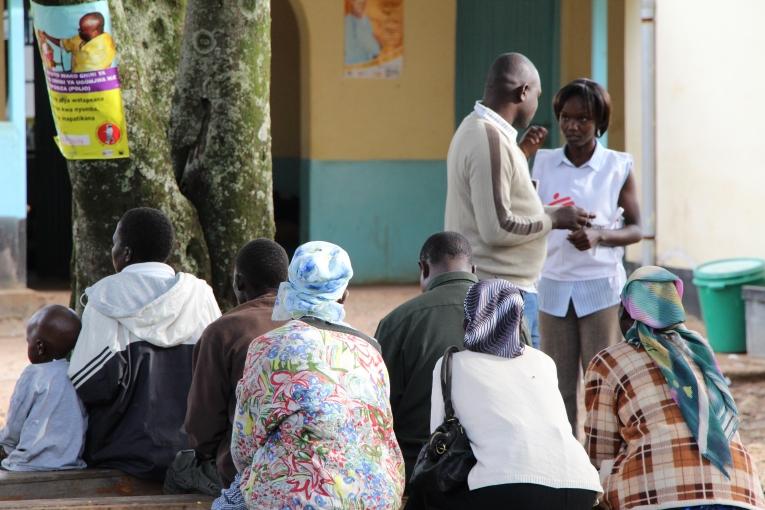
(709, 138)
(616, 22)
(575, 51)
(365, 119)
(575, 40)
(632, 104)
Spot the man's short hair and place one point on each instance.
(148, 233)
(508, 72)
(445, 244)
(595, 98)
(263, 263)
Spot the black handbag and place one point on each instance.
(446, 459)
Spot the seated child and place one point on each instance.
(46, 422)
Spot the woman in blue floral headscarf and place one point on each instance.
(313, 425)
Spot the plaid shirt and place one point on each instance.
(646, 454)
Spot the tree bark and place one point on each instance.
(147, 34)
(220, 129)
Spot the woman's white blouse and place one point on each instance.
(514, 416)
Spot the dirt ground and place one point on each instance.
(367, 305)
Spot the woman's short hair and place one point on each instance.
(595, 98)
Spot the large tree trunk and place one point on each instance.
(220, 129)
(147, 34)
(215, 140)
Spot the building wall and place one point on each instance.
(575, 40)
(13, 202)
(3, 77)
(632, 105)
(576, 49)
(709, 172)
(366, 156)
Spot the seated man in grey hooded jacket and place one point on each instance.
(132, 362)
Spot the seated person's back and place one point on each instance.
(416, 334)
(505, 396)
(641, 424)
(219, 357)
(46, 422)
(518, 427)
(132, 363)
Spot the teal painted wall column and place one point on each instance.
(379, 211)
(13, 151)
(599, 55)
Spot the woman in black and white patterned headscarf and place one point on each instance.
(506, 396)
(493, 316)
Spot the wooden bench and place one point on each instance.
(172, 502)
(79, 483)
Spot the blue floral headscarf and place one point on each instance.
(318, 276)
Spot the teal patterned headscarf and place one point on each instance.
(318, 276)
(652, 297)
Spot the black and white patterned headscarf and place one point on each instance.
(493, 315)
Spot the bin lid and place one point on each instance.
(730, 268)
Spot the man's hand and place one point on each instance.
(585, 238)
(532, 140)
(571, 218)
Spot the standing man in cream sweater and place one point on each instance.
(490, 197)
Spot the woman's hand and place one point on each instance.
(585, 238)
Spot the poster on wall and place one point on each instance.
(80, 62)
(374, 38)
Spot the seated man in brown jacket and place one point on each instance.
(219, 356)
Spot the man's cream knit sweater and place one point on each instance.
(491, 200)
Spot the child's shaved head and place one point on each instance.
(91, 25)
(94, 18)
(51, 333)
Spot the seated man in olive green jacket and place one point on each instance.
(416, 334)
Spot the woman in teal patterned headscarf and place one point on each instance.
(652, 298)
(661, 422)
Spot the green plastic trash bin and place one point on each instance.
(719, 284)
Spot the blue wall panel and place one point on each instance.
(379, 211)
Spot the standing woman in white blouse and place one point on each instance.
(583, 274)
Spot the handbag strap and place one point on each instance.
(446, 381)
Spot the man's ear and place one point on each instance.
(40, 347)
(238, 281)
(424, 268)
(523, 92)
(127, 254)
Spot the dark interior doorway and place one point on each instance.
(286, 122)
(49, 197)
